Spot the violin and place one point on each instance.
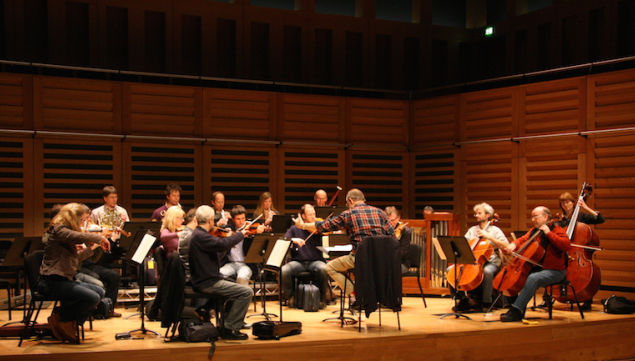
(220, 232)
(400, 226)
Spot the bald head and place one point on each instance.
(320, 198)
(354, 196)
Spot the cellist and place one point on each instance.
(553, 269)
(484, 213)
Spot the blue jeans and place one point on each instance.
(77, 299)
(317, 268)
(535, 281)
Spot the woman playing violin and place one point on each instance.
(553, 269)
(171, 225)
(485, 230)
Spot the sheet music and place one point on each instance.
(143, 249)
(278, 253)
(337, 248)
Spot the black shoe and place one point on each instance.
(462, 306)
(586, 306)
(227, 334)
(513, 315)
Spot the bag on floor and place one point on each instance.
(104, 309)
(195, 330)
(269, 330)
(311, 302)
(619, 305)
(298, 298)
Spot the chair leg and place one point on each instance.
(398, 321)
(550, 293)
(9, 299)
(379, 314)
(421, 291)
(575, 297)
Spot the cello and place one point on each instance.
(471, 275)
(584, 275)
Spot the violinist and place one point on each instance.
(218, 203)
(184, 241)
(305, 257)
(320, 198)
(403, 234)
(484, 214)
(265, 208)
(171, 226)
(555, 242)
(172, 198)
(567, 204)
(234, 262)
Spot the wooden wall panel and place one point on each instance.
(489, 177)
(162, 109)
(381, 175)
(242, 173)
(487, 114)
(615, 197)
(435, 180)
(555, 106)
(306, 170)
(76, 104)
(311, 117)
(73, 170)
(150, 166)
(436, 120)
(550, 167)
(16, 187)
(16, 101)
(378, 121)
(611, 100)
(239, 114)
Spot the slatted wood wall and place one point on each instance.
(449, 152)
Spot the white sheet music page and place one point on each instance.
(277, 254)
(143, 249)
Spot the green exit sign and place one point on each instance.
(489, 31)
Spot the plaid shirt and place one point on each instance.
(360, 221)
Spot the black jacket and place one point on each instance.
(378, 273)
(170, 295)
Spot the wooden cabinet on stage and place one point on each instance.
(433, 268)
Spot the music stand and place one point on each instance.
(13, 264)
(137, 249)
(461, 252)
(258, 252)
(281, 222)
(275, 261)
(339, 239)
(323, 212)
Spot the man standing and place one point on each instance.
(206, 252)
(218, 203)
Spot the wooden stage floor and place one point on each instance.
(423, 337)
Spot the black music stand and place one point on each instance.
(13, 264)
(461, 252)
(275, 260)
(340, 240)
(281, 222)
(130, 246)
(258, 252)
(323, 212)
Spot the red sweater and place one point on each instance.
(558, 244)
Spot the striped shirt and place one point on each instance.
(360, 221)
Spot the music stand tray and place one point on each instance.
(258, 253)
(323, 212)
(458, 249)
(281, 222)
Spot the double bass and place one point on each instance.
(583, 274)
(471, 275)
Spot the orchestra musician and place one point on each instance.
(171, 226)
(320, 198)
(567, 204)
(404, 235)
(172, 198)
(555, 243)
(360, 220)
(484, 213)
(218, 203)
(266, 209)
(206, 252)
(59, 265)
(234, 262)
(305, 257)
(184, 241)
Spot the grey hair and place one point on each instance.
(204, 214)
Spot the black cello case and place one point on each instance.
(269, 330)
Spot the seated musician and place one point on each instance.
(205, 254)
(265, 209)
(111, 218)
(171, 226)
(184, 241)
(234, 263)
(567, 204)
(304, 256)
(403, 234)
(320, 198)
(172, 198)
(555, 242)
(485, 230)
(221, 217)
(360, 220)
